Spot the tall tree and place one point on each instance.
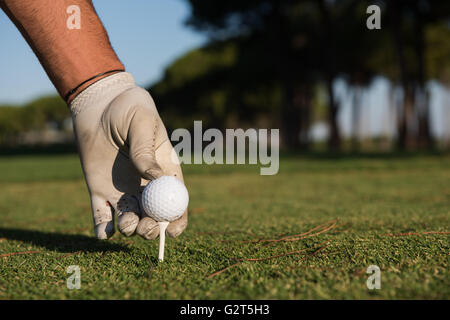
(281, 30)
(408, 21)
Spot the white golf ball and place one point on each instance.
(165, 199)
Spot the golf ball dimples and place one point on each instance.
(165, 199)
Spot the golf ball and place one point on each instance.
(165, 199)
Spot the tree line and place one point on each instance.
(273, 64)
(35, 115)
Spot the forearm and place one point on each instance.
(69, 56)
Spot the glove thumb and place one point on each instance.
(142, 138)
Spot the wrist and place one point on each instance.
(71, 94)
(101, 91)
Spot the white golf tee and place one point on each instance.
(162, 238)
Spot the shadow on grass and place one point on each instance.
(61, 242)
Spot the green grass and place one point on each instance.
(44, 206)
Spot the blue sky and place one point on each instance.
(146, 34)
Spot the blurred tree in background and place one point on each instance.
(282, 51)
(11, 124)
(36, 115)
(275, 64)
(408, 21)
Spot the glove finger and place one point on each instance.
(148, 228)
(102, 216)
(128, 213)
(175, 228)
(142, 138)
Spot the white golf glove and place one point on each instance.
(122, 145)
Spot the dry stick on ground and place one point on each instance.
(263, 259)
(415, 233)
(324, 226)
(316, 251)
(319, 250)
(310, 233)
(302, 236)
(294, 237)
(283, 236)
(333, 224)
(16, 253)
(307, 234)
(223, 270)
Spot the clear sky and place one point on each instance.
(146, 34)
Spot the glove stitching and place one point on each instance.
(89, 95)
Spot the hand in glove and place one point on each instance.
(122, 144)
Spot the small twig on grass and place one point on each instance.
(316, 251)
(414, 233)
(263, 259)
(322, 228)
(223, 270)
(295, 237)
(16, 253)
(319, 250)
(305, 235)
